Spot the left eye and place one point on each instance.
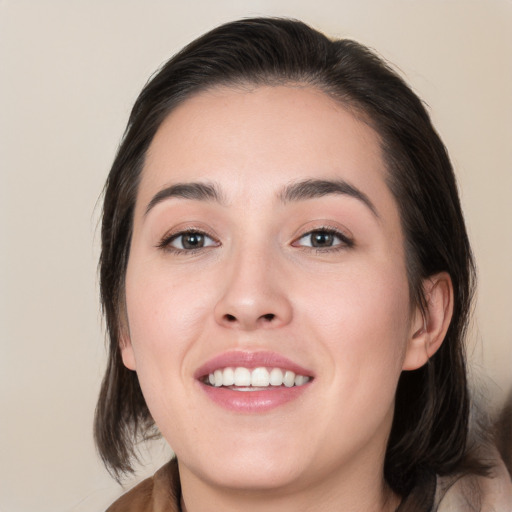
(191, 240)
(321, 238)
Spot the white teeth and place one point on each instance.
(260, 378)
(242, 377)
(228, 377)
(289, 379)
(276, 377)
(300, 380)
(247, 380)
(218, 378)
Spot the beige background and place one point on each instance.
(69, 73)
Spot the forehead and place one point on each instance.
(263, 137)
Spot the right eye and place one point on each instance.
(186, 241)
(324, 239)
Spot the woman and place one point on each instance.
(286, 278)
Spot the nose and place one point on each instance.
(254, 294)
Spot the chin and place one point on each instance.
(255, 475)
(264, 464)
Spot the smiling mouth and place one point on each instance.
(254, 379)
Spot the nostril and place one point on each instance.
(268, 318)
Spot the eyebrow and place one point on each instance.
(194, 191)
(299, 191)
(312, 189)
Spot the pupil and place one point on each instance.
(193, 240)
(322, 239)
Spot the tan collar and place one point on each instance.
(160, 493)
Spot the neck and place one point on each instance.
(333, 493)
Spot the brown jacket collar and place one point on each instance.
(160, 493)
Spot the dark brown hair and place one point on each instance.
(431, 416)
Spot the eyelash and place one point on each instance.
(167, 240)
(344, 241)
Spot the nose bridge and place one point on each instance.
(254, 292)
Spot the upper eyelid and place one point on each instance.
(169, 236)
(329, 229)
(182, 232)
(326, 229)
(184, 229)
(172, 235)
(346, 240)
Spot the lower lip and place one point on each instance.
(253, 401)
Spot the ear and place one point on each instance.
(428, 327)
(126, 347)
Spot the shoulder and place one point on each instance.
(476, 493)
(160, 493)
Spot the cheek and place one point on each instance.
(358, 321)
(362, 318)
(164, 314)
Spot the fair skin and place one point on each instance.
(249, 263)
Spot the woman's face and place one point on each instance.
(265, 237)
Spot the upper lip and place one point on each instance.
(247, 359)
